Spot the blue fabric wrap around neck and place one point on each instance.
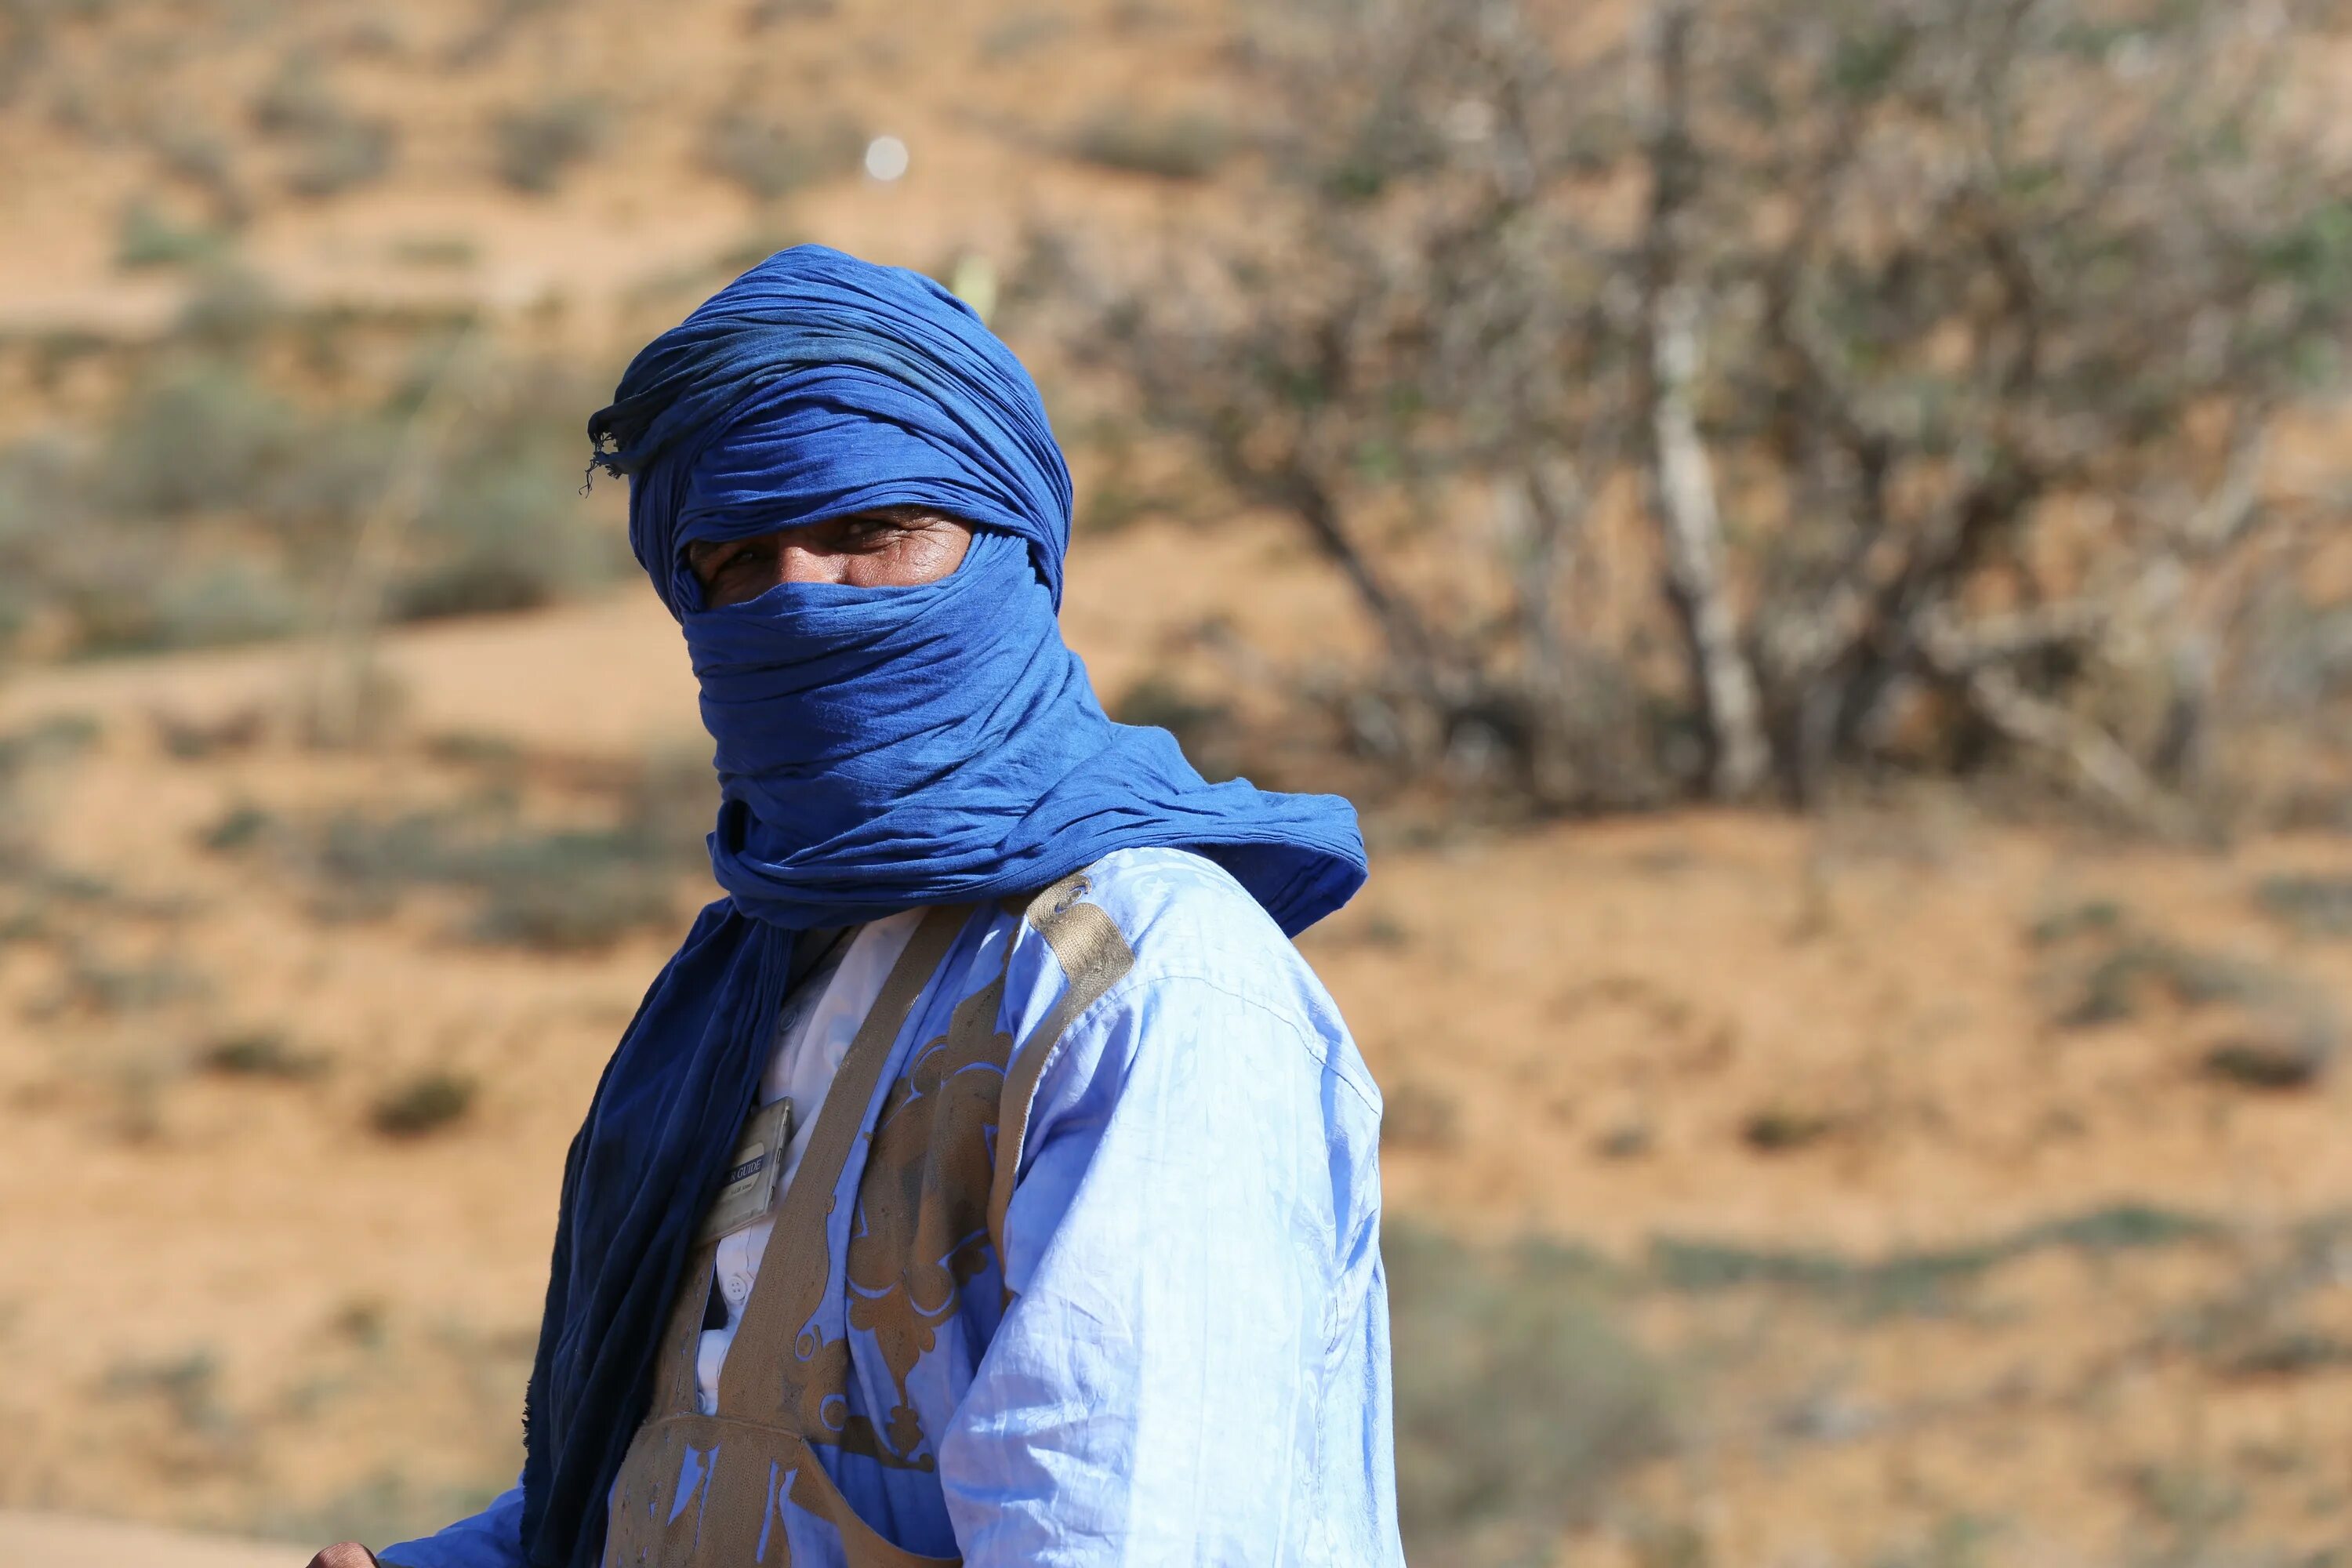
(877, 750)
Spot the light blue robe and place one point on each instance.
(1192, 1364)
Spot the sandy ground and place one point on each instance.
(983, 98)
(231, 1301)
(58, 1540)
(1892, 1136)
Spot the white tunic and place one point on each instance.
(812, 1033)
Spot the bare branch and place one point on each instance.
(1957, 650)
(2095, 756)
(1682, 481)
(1681, 475)
(2233, 505)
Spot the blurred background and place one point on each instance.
(1814, 530)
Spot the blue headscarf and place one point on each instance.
(878, 749)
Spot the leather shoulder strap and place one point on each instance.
(795, 1269)
(1093, 955)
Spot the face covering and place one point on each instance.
(877, 750)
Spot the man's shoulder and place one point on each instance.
(1181, 914)
(1185, 929)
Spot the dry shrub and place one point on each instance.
(246, 493)
(617, 868)
(769, 158)
(1183, 147)
(424, 1103)
(259, 1054)
(2321, 906)
(1729, 398)
(148, 236)
(2277, 1031)
(328, 149)
(535, 147)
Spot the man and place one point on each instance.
(987, 1178)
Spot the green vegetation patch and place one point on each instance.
(550, 888)
(563, 890)
(2320, 905)
(243, 495)
(2118, 984)
(535, 147)
(1927, 1280)
(2100, 966)
(188, 1385)
(426, 1103)
(1186, 146)
(148, 236)
(1519, 1397)
(259, 1054)
(769, 158)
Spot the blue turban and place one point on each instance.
(878, 749)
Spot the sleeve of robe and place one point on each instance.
(490, 1539)
(1194, 1368)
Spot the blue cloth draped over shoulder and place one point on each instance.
(878, 749)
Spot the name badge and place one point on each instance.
(754, 1174)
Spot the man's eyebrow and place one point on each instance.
(890, 516)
